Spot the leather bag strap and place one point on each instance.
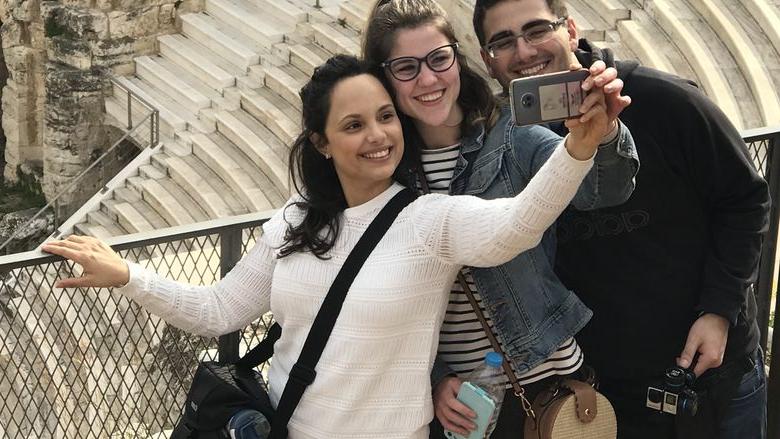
(303, 372)
(585, 398)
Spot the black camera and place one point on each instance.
(674, 394)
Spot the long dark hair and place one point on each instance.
(389, 16)
(313, 176)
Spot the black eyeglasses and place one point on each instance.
(537, 34)
(406, 68)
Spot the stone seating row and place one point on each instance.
(229, 109)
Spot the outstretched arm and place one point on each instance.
(229, 305)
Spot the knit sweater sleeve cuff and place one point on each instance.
(138, 284)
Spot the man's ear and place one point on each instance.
(486, 59)
(571, 28)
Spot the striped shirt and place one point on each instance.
(462, 340)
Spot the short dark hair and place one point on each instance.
(557, 7)
(313, 176)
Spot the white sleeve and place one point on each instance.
(229, 305)
(467, 230)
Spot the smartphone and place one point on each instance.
(547, 98)
(482, 404)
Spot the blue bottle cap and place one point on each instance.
(493, 359)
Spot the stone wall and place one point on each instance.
(60, 56)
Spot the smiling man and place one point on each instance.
(668, 273)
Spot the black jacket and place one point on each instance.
(687, 242)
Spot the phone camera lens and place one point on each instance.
(527, 100)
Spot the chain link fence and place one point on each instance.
(89, 363)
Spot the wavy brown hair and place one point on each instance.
(389, 16)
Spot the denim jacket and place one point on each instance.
(533, 313)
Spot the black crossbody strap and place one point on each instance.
(263, 351)
(303, 373)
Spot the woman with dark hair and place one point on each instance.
(373, 377)
(469, 145)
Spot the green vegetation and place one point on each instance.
(25, 194)
(52, 28)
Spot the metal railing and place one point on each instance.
(92, 364)
(147, 128)
(763, 145)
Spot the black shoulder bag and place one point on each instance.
(219, 390)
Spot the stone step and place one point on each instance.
(205, 196)
(610, 11)
(255, 147)
(741, 49)
(242, 17)
(354, 14)
(96, 230)
(284, 10)
(130, 218)
(767, 18)
(336, 39)
(218, 98)
(149, 69)
(704, 66)
(127, 195)
(274, 195)
(186, 200)
(116, 115)
(107, 208)
(99, 218)
(136, 183)
(279, 148)
(230, 171)
(165, 204)
(589, 24)
(307, 57)
(286, 81)
(150, 172)
(195, 59)
(203, 29)
(170, 122)
(169, 107)
(219, 186)
(271, 116)
(635, 37)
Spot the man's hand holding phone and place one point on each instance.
(606, 78)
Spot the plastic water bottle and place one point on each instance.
(248, 424)
(489, 376)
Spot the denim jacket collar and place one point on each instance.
(468, 144)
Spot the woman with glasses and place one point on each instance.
(469, 146)
(349, 161)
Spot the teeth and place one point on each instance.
(431, 97)
(533, 70)
(378, 154)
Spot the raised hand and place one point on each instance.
(587, 131)
(102, 267)
(606, 78)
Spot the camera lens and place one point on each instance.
(688, 404)
(675, 378)
(527, 100)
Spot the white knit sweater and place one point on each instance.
(373, 378)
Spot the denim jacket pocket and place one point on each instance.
(484, 172)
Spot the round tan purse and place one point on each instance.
(572, 410)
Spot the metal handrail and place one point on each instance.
(152, 237)
(154, 138)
